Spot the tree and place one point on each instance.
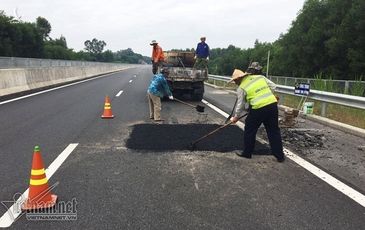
(95, 46)
(57, 49)
(44, 27)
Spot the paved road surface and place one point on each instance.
(116, 187)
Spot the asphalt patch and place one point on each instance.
(170, 137)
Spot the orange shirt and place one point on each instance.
(157, 54)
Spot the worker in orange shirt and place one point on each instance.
(157, 56)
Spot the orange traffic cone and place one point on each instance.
(107, 109)
(39, 195)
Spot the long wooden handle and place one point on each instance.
(216, 130)
(184, 102)
(212, 132)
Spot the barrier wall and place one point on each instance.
(19, 80)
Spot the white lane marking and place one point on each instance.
(130, 81)
(49, 90)
(14, 211)
(118, 94)
(335, 183)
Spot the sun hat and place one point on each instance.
(255, 65)
(237, 74)
(153, 42)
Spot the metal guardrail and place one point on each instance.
(340, 86)
(17, 62)
(322, 96)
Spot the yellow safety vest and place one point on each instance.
(258, 91)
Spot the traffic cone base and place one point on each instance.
(107, 109)
(31, 205)
(107, 117)
(39, 195)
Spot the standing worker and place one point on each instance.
(255, 95)
(157, 56)
(201, 54)
(158, 89)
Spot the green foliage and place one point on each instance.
(358, 87)
(19, 39)
(128, 56)
(57, 49)
(94, 46)
(327, 38)
(23, 39)
(44, 27)
(323, 83)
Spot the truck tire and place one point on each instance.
(198, 91)
(197, 96)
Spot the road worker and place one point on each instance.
(201, 54)
(157, 89)
(157, 56)
(254, 94)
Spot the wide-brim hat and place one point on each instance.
(237, 74)
(153, 42)
(255, 65)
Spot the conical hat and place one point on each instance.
(237, 74)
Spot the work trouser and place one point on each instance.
(155, 106)
(268, 115)
(201, 63)
(156, 67)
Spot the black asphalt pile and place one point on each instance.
(168, 137)
(302, 139)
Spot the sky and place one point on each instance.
(175, 24)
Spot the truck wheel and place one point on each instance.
(198, 91)
(197, 96)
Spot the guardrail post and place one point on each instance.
(346, 87)
(323, 109)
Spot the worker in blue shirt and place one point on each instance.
(158, 89)
(201, 54)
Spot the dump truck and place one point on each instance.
(183, 78)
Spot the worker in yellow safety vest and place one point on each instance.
(255, 95)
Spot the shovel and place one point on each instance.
(198, 108)
(193, 144)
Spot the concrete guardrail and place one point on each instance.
(24, 79)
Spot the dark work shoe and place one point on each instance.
(282, 159)
(242, 154)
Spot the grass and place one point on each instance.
(357, 88)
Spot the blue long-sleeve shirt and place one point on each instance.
(202, 50)
(159, 86)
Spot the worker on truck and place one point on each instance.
(157, 56)
(201, 54)
(157, 89)
(255, 95)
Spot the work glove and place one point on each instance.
(207, 58)
(171, 97)
(195, 57)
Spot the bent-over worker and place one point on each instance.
(157, 89)
(255, 95)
